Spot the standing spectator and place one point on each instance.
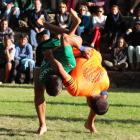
(23, 55)
(72, 4)
(98, 27)
(21, 6)
(107, 6)
(34, 28)
(119, 56)
(85, 20)
(5, 30)
(134, 36)
(93, 4)
(114, 26)
(7, 53)
(63, 18)
(7, 7)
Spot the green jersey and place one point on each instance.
(63, 54)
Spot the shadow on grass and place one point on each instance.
(124, 121)
(50, 103)
(13, 132)
(121, 105)
(12, 86)
(124, 90)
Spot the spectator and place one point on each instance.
(134, 6)
(93, 4)
(21, 6)
(114, 26)
(7, 7)
(85, 20)
(113, 2)
(119, 56)
(98, 27)
(34, 28)
(5, 30)
(7, 53)
(63, 18)
(23, 55)
(72, 4)
(134, 36)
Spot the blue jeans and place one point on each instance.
(16, 15)
(33, 34)
(79, 31)
(7, 13)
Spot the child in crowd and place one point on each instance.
(119, 56)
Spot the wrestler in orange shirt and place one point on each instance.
(88, 79)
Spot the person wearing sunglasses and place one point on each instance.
(98, 22)
(63, 18)
(134, 47)
(85, 20)
(114, 26)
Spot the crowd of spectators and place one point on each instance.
(105, 16)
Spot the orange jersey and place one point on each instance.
(88, 77)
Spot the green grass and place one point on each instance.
(65, 115)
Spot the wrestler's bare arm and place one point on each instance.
(56, 65)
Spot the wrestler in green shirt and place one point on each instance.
(62, 54)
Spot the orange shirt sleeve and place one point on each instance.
(70, 85)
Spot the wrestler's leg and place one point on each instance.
(58, 30)
(39, 102)
(89, 124)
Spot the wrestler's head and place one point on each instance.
(53, 85)
(99, 104)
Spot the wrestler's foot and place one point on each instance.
(75, 17)
(41, 130)
(91, 127)
(41, 20)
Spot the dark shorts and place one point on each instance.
(38, 53)
(3, 63)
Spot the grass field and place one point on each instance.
(65, 115)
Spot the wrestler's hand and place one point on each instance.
(48, 54)
(87, 53)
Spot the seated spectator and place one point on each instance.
(5, 30)
(134, 36)
(21, 6)
(63, 18)
(23, 59)
(93, 4)
(98, 27)
(135, 18)
(34, 28)
(7, 53)
(72, 4)
(119, 56)
(7, 7)
(85, 20)
(114, 26)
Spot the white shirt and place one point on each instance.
(101, 21)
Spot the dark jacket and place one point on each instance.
(110, 26)
(134, 37)
(32, 18)
(66, 17)
(119, 57)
